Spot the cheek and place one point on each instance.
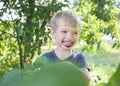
(57, 36)
(76, 37)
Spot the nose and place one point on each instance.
(69, 36)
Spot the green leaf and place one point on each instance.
(40, 61)
(115, 79)
(12, 78)
(58, 74)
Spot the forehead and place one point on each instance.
(63, 26)
(66, 23)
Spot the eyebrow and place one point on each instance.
(72, 30)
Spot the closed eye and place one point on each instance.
(76, 33)
(64, 31)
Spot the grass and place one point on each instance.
(103, 63)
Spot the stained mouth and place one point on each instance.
(68, 44)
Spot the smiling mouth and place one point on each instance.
(68, 44)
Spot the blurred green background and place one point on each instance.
(24, 35)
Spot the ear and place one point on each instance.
(52, 32)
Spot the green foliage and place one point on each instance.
(8, 49)
(22, 37)
(14, 76)
(98, 19)
(58, 74)
(115, 79)
(103, 9)
(7, 64)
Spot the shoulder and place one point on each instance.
(49, 54)
(78, 55)
(80, 60)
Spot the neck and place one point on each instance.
(62, 54)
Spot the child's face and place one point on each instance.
(66, 37)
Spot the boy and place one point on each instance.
(65, 30)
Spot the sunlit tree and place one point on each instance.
(24, 28)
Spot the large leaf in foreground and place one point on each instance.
(115, 79)
(58, 74)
